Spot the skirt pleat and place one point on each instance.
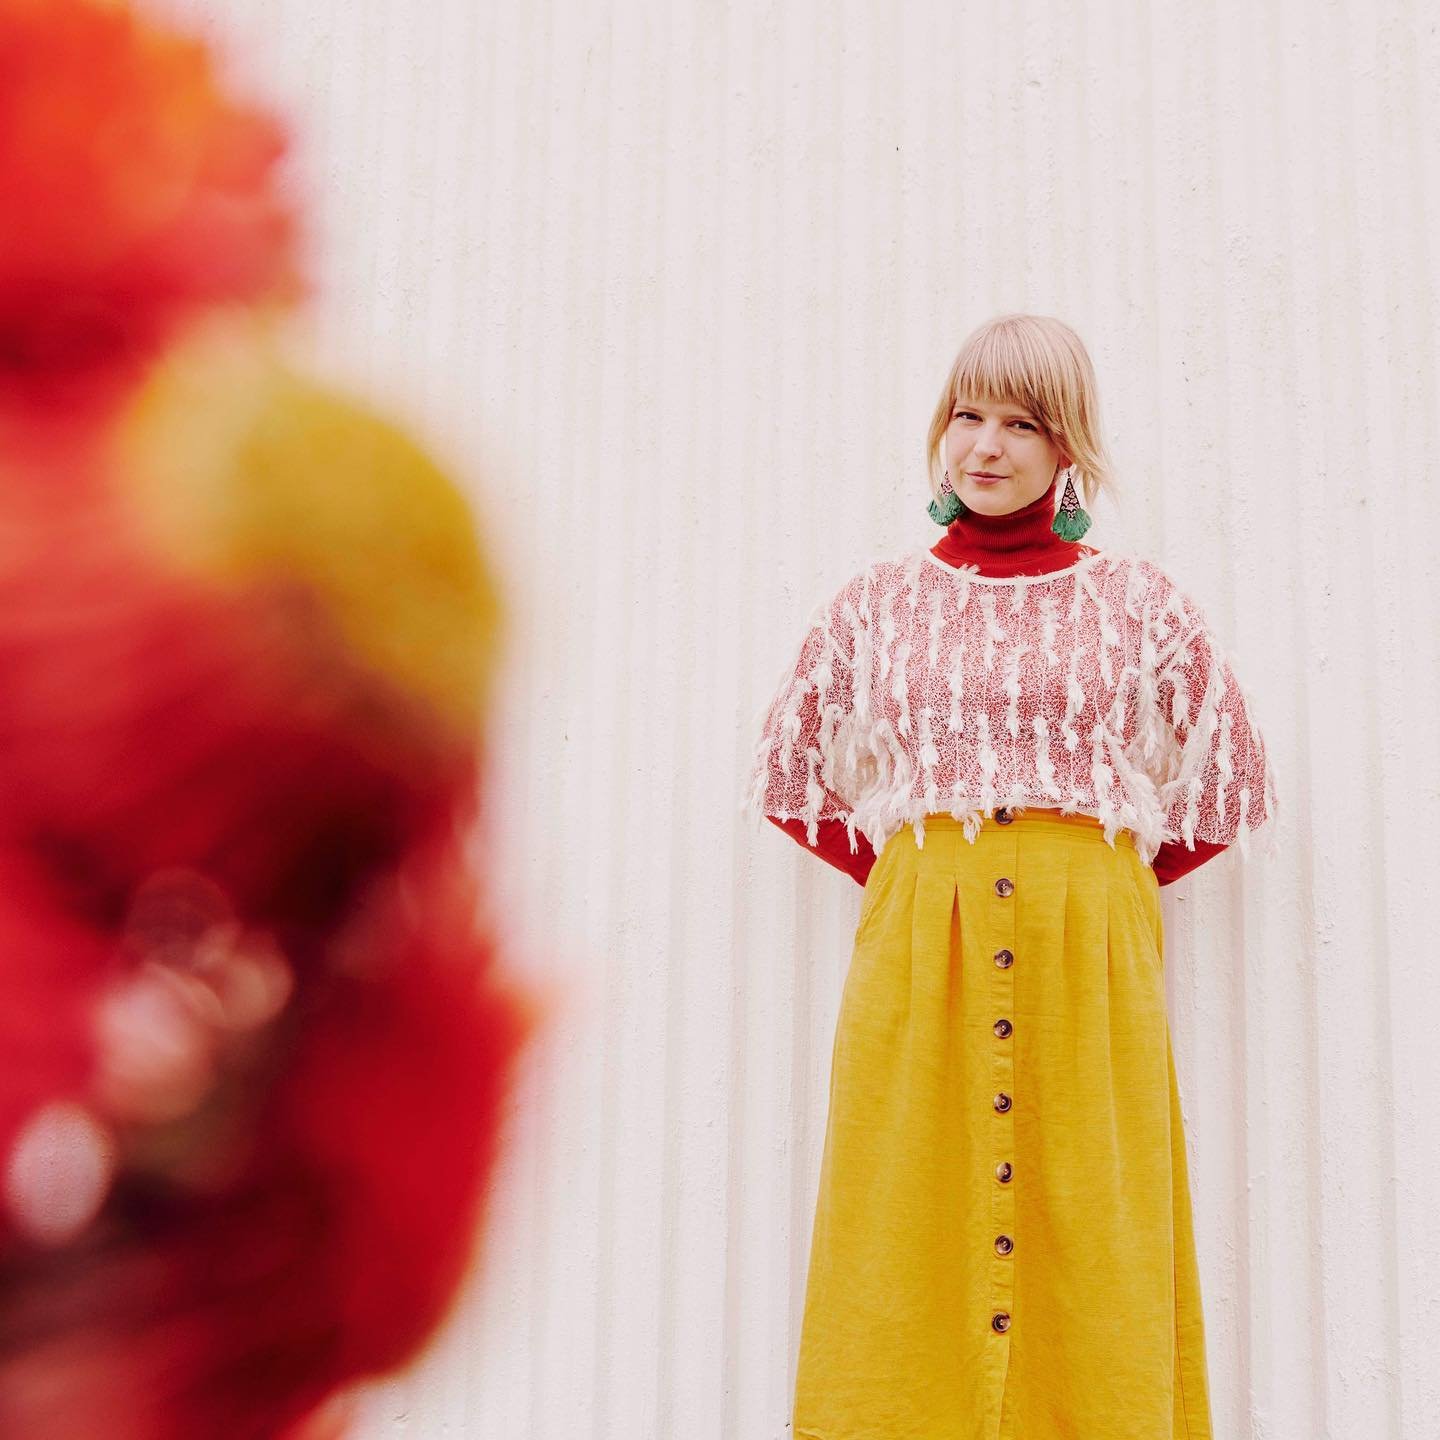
(1002, 1245)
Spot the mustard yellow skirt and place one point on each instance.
(1003, 1247)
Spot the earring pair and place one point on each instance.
(1070, 523)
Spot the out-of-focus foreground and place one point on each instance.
(255, 1041)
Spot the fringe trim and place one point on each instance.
(857, 766)
(972, 815)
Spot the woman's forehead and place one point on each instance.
(1000, 407)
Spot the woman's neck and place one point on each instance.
(1020, 543)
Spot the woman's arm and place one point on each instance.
(793, 772)
(1223, 787)
(832, 845)
(1173, 860)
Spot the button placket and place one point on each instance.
(1002, 1008)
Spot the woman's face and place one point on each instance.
(1003, 440)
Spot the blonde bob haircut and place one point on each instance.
(1040, 364)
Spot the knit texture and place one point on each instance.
(922, 687)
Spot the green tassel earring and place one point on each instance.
(1070, 522)
(949, 507)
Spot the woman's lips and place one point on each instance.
(985, 479)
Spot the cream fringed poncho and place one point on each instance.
(1099, 688)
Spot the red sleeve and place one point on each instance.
(1173, 860)
(833, 845)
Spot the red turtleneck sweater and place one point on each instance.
(1020, 543)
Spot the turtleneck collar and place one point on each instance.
(1020, 543)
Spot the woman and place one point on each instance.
(1012, 740)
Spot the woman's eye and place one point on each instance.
(970, 414)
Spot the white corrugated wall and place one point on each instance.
(678, 285)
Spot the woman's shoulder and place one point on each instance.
(1124, 578)
(851, 599)
(875, 576)
(1135, 570)
(1171, 605)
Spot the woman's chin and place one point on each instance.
(990, 500)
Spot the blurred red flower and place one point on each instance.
(136, 192)
(254, 1044)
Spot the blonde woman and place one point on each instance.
(1012, 740)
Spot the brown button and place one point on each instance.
(1003, 815)
(1004, 959)
(1003, 1244)
(1002, 1028)
(1002, 1101)
(1003, 1172)
(1000, 1321)
(1004, 886)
